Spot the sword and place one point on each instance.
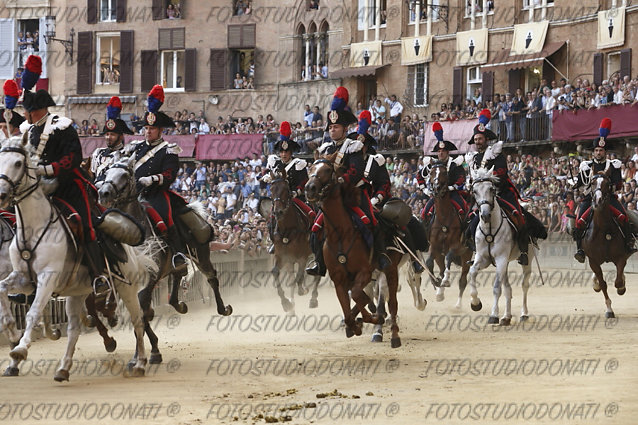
(417, 259)
(538, 265)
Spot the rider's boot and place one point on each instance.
(523, 243)
(378, 236)
(470, 233)
(96, 264)
(175, 242)
(317, 267)
(629, 238)
(578, 237)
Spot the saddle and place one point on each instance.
(72, 219)
(516, 220)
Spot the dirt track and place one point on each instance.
(566, 365)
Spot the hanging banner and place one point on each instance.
(416, 50)
(365, 54)
(611, 28)
(529, 38)
(471, 47)
(228, 146)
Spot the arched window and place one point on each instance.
(313, 51)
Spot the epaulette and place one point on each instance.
(458, 160)
(616, 163)
(300, 164)
(469, 157)
(272, 161)
(584, 166)
(321, 149)
(173, 148)
(493, 151)
(60, 123)
(353, 146)
(380, 159)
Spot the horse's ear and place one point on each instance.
(25, 138)
(130, 162)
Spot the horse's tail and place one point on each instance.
(146, 254)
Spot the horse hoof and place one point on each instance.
(11, 371)
(377, 337)
(524, 318)
(111, 345)
(112, 321)
(421, 305)
(137, 372)
(61, 375)
(349, 332)
(476, 307)
(597, 287)
(357, 330)
(314, 303)
(91, 321)
(55, 334)
(395, 342)
(287, 305)
(440, 297)
(181, 307)
(228, 310)
(492, 320)
(372, 308)
(621, 291)
(13, 344)
(130, 365)
(18, 354)
(156, 358)
(610, 315)
(301, 291)
(506, 322)
(445, 283)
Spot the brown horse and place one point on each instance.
(446, 235)
(347, 257)
(603, 240)
(291, 235)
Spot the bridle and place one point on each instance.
(119, 190)
(327, 187)
(444, 189)
(604, 194)
(482, 202)
(490, 236)
(19, 195)
(286, 204)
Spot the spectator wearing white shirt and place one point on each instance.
(395, 108)
(377, 110)
(550, 105)
(618, 94)
(635, 156)
(204, 128)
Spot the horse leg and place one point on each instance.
(344, 300)
(109, 310)
(73, 312)
(414, 281)
(15, 282)
(145, 298)
(131, 302)
(446, 273)
(497, 288)
(377, 334)
(440, 290)
(480, 262)
(91, 312)
(314, 302)
(361, 299)
(179, 306)
(393, 304)
(527, 273)
(301, 272)
(207, 268)
(602, 285)
(372, 291)
(465, 268)
(619, 283)
(429, 263)
(506, 320)
(49, 332)
(287, 305)
(109, 343)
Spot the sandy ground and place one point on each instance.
(566, 365)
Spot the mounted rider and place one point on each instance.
(295, 170)
(379, 187)
(599, 163)
(10, 120)
(347, 155)
(492, 158)
(156, 166)
(57, 151)
(114, 130)
(456, 175)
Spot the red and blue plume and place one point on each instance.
(11, 94)
(114, 108)
(32, 71)
(485, 116)
(365, 120)
(340, 99)
(285, 131)
(438, 131)
(605, 127)
(155, 98)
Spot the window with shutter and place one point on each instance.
(488, 87)
(107, 46)
(120, 11)
(85, 62)
(91, 11)
(234, 36)
(148, 69)
(168, 9)
(172, 70)
(159, 10)
(218, 69)
(457, 86)
(598, 69)
(241, 36)
(625, 63)
(108, 10)
(474, 81)
(7, 45)
(127, 60)
(421, 84)
(515, 80)
(190, 77)
(171, 38)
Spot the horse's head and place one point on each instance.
(484, 190)
(118, 182)
(322, 179)
(439, 178)
(280, 197)
(600, 188)
(15, 170)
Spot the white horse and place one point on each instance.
(43, 254)
(495, 244)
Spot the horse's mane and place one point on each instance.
(199, 209)
(485, 174)
(350, 195)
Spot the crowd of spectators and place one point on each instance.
(243, 7)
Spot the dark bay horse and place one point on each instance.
(446, 234)
(118, 191)
(603, 240)
(291, 235)
(348, 259)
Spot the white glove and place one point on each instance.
(422, 187)
(374, 201)
(571, 182)
(451, 188)
(146, 181)
(294, 193)
(45, 170)
(267, 178)
(340, 180)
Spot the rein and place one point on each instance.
(490, 237)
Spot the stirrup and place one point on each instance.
(101, 285)
(178, 261)
(523, 260)
(580, 256)
(314, 269)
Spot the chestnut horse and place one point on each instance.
(603, 240)
(291, 236)
(348, 258)
(446, 234)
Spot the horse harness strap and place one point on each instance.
(150, 154)
(342, 257)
